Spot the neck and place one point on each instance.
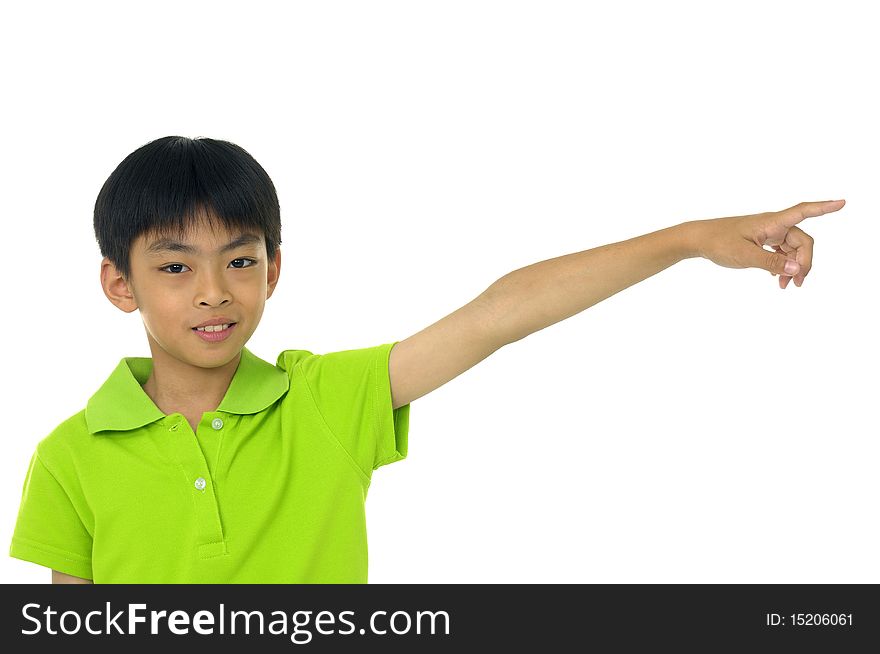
(176, 386)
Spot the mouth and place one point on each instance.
(222, 333)
(213, 329)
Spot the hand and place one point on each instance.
(737, 242)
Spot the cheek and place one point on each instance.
(165, 307)
(250, 294)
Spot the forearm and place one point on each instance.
(529, 299)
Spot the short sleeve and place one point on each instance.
(352, 390)
(49, 531)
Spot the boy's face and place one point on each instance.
(177, 290)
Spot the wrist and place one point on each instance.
(689, 239)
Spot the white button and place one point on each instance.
(200, 483)
(217, 423)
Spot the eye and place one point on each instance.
(173, 265)
(253, 262)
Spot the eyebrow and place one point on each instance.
(170, 245)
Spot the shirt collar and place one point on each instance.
(122, 404)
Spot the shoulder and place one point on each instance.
(341, 359)
(338, 375)
(65, 442)
(288, 360)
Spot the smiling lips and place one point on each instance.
(214, 321)
(214, 333)
(213, 328)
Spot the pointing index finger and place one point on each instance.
(813, 209)
(793, 215)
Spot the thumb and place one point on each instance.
(776, 262)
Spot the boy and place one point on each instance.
(206, 464)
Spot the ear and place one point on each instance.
(273, 273)
(116, 288)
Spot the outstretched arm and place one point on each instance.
(534, 297)
(544, 293)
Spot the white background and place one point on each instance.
(701, 426)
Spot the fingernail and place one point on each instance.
(791, 267)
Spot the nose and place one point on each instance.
(212, 289)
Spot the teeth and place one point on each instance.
(213, 328)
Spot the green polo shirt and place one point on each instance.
(270, 488)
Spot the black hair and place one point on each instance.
(162, 187)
